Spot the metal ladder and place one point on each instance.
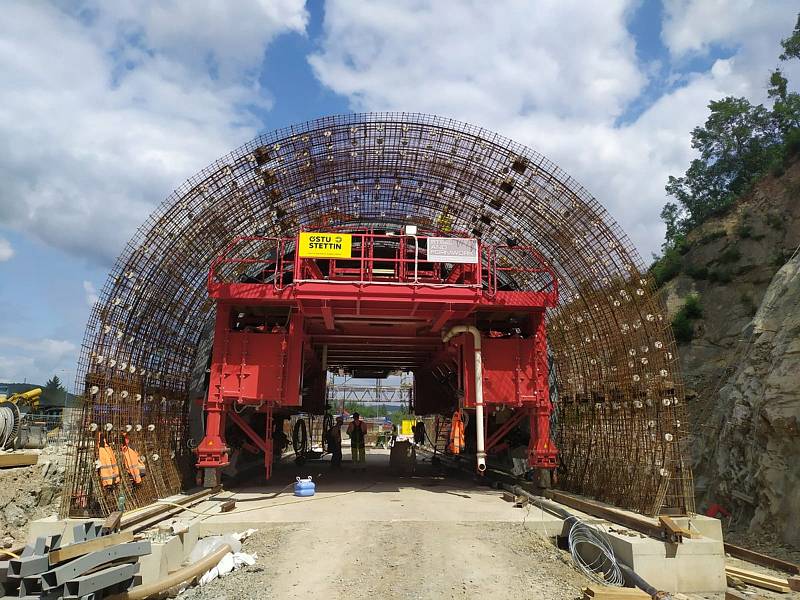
(441, 434)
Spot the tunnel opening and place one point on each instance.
(227, 242)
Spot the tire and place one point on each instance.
(300, 439)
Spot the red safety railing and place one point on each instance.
(383, 259)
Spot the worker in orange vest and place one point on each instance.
(133, 462)
(107, 463)
(456, 434)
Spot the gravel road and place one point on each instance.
(404, 559)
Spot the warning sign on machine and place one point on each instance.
(325, 245)
(453, 250)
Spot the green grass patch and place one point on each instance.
(776, 222)
(683, 321)
(697, 272)
(712, 236)
(744, 230)
(729, 255)
(667, 267)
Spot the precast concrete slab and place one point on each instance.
(693, 566)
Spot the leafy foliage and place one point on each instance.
(682, 322)
(738, 144)
(692, 306)
(682, 328)
(730, 255)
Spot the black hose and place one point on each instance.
(327, 425)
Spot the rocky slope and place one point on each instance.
(742, 367)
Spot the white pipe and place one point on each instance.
(479, 433)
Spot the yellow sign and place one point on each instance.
(406, 425)
(325, 245)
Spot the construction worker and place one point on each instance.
(335, 443)
(357, 430)
(394, 435)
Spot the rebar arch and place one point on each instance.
(622, 420)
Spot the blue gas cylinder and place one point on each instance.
(304, 487)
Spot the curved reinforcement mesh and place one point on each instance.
(621, 406)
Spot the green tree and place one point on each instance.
(53, 390)
(786, 104)
(54, 385)
(736, 144)
(791, 45)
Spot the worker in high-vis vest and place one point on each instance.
(456, 434)
(133, 462)
(357, 430)
(107, 464)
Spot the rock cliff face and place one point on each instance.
(742, 367)
(757, 459)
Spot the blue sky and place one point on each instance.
(107, 107)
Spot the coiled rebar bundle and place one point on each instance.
(593, 554)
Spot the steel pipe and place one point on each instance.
(479, 432)
(178, 577)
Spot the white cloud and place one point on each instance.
(35, 361)
(108, 107)
(6, 250)
(555, 76)
(570, 59)
(694, 25)
(91, 293)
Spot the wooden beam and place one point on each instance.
(18, 459)
(81, 548)
(761, 559)
(601, 592)
(766, 582)
(597, 509)
(732, 594)
(676, 529)
(112, 522)
(794, 583)
(144, 517)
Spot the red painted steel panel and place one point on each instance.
(508, 371)
(252, 367)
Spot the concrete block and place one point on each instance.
(52, 525)
(173, 550)
(705, 526)
(189, 538)
(152, 567)
(694, 566)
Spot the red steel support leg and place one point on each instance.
(542, 452)
(268, 449)
(265, 445)
(494, 440)
(212, 453)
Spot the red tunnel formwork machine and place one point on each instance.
(443, 307)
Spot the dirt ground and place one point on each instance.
(420, 537)
(29, 493)
(400, 560)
